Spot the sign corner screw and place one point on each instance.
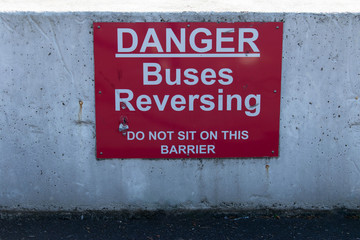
(277, 27)
(99, 92)
(275, 91)
(101, 153)
(98, 26)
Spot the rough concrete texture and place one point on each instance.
(47, 138)
(275, 6)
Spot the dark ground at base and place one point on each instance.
(181, 225)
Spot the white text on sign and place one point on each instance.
(151, 40)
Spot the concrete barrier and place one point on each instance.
(47, 122)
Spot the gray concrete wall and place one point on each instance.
(47, 140)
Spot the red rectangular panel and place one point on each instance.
(187, 90)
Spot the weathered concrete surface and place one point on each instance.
(278, 6)
(47, 140)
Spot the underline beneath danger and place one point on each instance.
(187, 55)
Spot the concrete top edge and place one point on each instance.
(166, 6)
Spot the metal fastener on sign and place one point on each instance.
(99, 92)
(277, 27)
(98, 27)
(273, 151)
(101, 153)
(275, 91)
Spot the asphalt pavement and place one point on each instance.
(181, 225)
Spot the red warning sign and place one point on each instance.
(187, 90)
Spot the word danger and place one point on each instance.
(226, 40)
